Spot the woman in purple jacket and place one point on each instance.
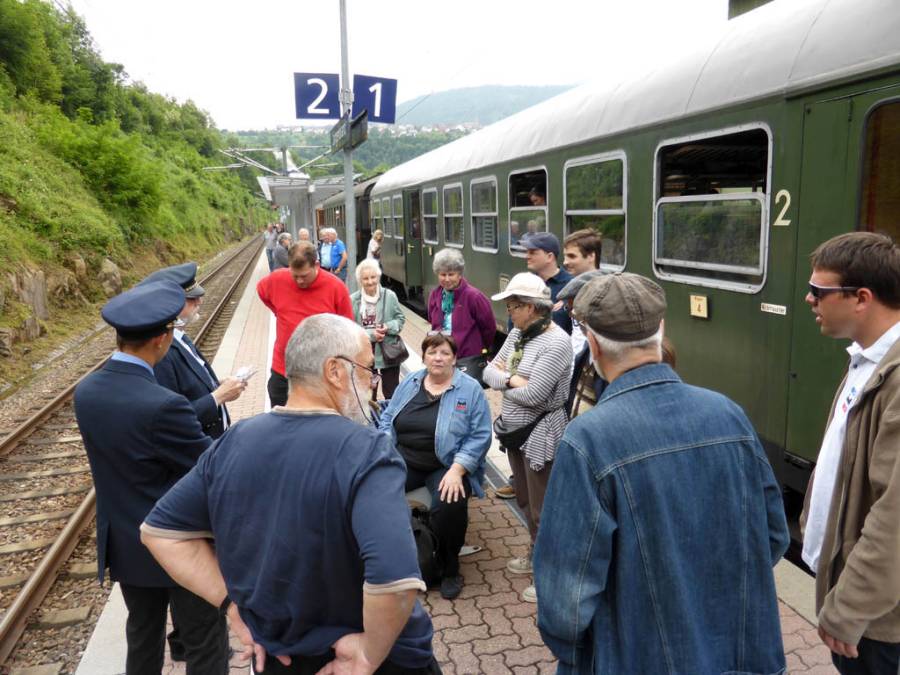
(458, 309)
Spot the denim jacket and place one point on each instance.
(661, 524)
(463, 432)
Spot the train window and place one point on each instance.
(430, 216)
(483, 198)
(386, 217)
(399, 229)
(881, 172)
(712, 210)
(453, 215)
(527, 205)
(376, 214)
(595, 199)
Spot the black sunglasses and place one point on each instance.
(819, 292)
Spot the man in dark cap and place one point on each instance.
(140, 439)
(542, 258)
(663, 519)
(184, 369)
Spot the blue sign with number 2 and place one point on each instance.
(316, 96)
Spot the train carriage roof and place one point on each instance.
(787, 47)
(358, 190)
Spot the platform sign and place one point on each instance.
(316, 96)
(348, 134)
(377, 95)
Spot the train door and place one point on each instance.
(850, 180)
(413, 242)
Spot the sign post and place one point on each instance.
(346, 106)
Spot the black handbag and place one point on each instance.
(474, 366)
(393, 349)
(514, 439)
(427, 550)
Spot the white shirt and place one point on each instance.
(863, 363)
(326, 256)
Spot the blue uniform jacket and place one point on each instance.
(463, 432)
(180, 372)
(140, 439)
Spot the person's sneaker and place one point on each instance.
(529, 594)
(505, 492)
(519, 565)
(451, 587)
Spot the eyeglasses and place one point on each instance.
(376, 378)
(512, 308)
(819, 292)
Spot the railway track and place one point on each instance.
(48, 502)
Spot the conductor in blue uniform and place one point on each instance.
(184, 369)
(140, 439)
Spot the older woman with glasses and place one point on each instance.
(378, 311)
(532, 369)
(440, 422)
(459, 309)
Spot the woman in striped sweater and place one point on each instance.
(532, 370)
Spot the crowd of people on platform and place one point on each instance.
(655, 516)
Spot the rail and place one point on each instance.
(32, 594)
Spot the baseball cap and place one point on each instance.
(624, 307)
(525, 285)
(546, 241)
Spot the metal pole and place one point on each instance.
(349, 210)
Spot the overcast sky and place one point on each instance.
(237, 62)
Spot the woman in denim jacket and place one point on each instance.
(440, 422)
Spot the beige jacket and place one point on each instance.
(858, 580)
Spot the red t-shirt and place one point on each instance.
(291, 304)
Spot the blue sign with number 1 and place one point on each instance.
(316, 96)
(378, 95)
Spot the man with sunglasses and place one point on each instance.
(851, 518)
(314, 560)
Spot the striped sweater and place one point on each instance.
(547, 365)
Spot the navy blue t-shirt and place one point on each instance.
(307, 511)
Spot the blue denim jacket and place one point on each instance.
(660, 527)
(463, 433)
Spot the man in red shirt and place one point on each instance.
(293, 294)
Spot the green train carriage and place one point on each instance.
(715, 174)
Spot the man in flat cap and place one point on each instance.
(184, 369)
(140, 439)
(662, 520)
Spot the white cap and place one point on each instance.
(525, 285)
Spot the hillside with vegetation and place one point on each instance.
(96, 171)
(473, 105)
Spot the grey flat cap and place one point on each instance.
(624, 307)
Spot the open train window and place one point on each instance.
(386, 217)
(527, 205)
(430, 216)
(595, 199)
(483, 199)
(399, 229)
(880, 201)
(711, 215)
(453, 215)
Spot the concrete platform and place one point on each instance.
(487, 630)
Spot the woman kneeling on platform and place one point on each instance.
(440, 422)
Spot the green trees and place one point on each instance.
(94, 163)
